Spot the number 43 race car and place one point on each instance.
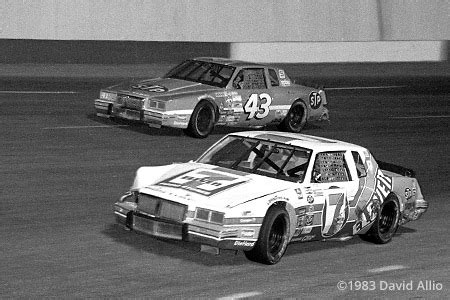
(203, 92)
(257, 191)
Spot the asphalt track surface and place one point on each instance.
(62, 168)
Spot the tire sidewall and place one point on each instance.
(386, 237)
(273, 214)
(193, 127)
(286, 123)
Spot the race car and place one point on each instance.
(203, 92)
(257, 191)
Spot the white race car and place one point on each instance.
(257, 191)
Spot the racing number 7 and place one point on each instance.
(252, 108)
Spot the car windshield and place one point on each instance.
(261, 157)
(202, 72)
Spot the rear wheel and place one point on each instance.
(202, 120)
(386, 223)
(295, 119)
(273, 237)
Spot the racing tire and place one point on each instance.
(386, 223)
(273, 237)
(295, 119)
(202, 120)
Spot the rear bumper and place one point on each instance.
(415, 210)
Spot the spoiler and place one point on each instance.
(396, 169)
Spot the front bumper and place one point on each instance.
(103, 108)
(151, 117)
(127, 216)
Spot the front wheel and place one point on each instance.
(202, 120)
(295, 119)
(386, 223)
(273, 237)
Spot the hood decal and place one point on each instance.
(149, 87)
(203, 181)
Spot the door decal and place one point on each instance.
(258, 110)
(335, 214)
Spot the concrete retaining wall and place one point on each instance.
(147, 31)
(226, 21)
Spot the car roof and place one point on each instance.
(302, 140)
(231, 62)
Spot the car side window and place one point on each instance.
(330, 167)
(360, 168)
(252, 78)
(273, 78)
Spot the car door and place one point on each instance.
(331, 175)
(257, 99)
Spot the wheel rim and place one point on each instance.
(387, 218)
(204, 117)
(296, 117)
(277, 236)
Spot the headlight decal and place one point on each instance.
(209, 215)
(108, 96)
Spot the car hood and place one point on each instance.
(212, 187)
(160, 87)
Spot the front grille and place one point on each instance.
(161, 208)
(130, 101)
(157, 228)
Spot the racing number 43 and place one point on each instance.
(258, 110)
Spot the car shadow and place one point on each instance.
(191, 251)
(167, 131)
(136, 126)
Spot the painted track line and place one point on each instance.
(83, 127)
(38, 92)
(366, 87)
(387, 269)
(421, 117)
(240, 296)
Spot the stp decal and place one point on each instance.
(315, 100)
(150, 88)
(204, 182)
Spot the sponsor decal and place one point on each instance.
(315, 100)
(306, 230)
(366, 214)
(309, 220)
(285, 82)
(300, 211)
(244, 244)
(277, 198)
(247, 220)
(299, 193)
(307, 238)
(409, 193)
(310, 199)
(150, 88)
(226, 94)
(204, 182)
(248, 233)
(178, 123)
(281, 74)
